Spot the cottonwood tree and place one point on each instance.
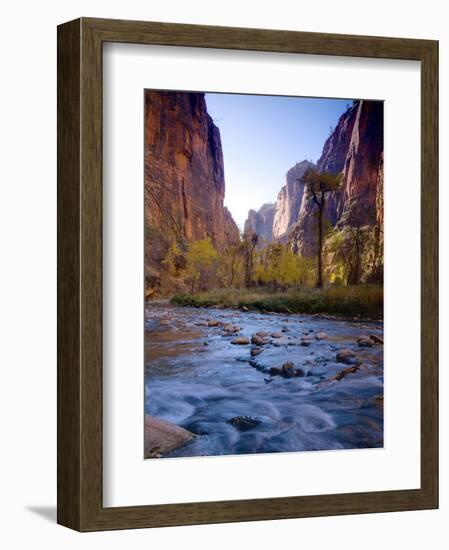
(175, 260)
(278, 265)
(348, 247)
(318, 185)
(200, 259)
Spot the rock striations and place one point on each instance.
(184, 176)
(289, 200)
(261, 222)
(355, 149)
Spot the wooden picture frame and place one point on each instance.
(80, 503)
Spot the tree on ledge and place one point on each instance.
(318, 185)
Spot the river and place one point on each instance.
(236, 403)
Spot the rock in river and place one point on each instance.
(161, 436)
(244, 423)
(343, 373)
(365, 342)
(231, 329)
(258, 340)
(287, 370)
(321, 336)
(376, 339)
(256, 351)
(240, 341)
(346, 356)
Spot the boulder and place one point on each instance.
(162, 436)
(255, 351)
(321, 336)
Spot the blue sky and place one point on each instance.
(263, 137)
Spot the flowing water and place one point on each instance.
(196, 378)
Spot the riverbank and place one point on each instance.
(364, 301)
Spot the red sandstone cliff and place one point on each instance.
(355, 149)
(184, 177)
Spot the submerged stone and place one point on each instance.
(244, 423)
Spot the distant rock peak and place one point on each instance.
(261, 222)
(289, 199)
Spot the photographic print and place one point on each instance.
(263, 299)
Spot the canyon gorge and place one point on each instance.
(266, 339)
(185, 186)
